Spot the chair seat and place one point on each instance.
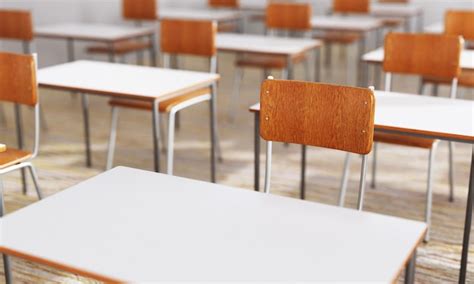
(267, 61)
(12, 157)
(165, 106)
(119, 48)
(404, 140)
(338, 38)
(466, 79)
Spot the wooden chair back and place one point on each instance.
(223, 3)
(289, 16)
(351, 6)
(16, 25)
(423, 54)
(18, 79)
(315, 114)
(188, 37)
(460, 22)
(139, 10)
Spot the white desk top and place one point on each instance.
(377, 56)
(435, 28)
(199, 14)
(111, 79)
(440, 118)
(92, 32)
(264, 44)
(346, 23)
(394, 10)
(139, 226)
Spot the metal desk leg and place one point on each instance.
(467, 224)
(256, 181)
(6, 260)
(153, 56)
(410, 270)
(317, 70)
(213, 131)
(87, 139)
(156, 135)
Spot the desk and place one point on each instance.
(400, 11)
(163, 228)
(421, 116)
(131, 82)
(3, 148)
(352, 24)
(267, 45)
(377, 56)
(220, 16)
(108, 34)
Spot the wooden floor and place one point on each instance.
(401, 176)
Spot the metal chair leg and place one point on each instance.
(34, 176)
(451, 172)
(344, 181)
(307, 71)
(360, 201)
(328, 55)
(170, 148)
(236, 93)
(429, 193)
(112, 138)
(303, 172)
(421, 88)
(374, 167)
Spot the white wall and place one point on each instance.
(108, 11)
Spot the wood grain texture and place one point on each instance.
(351, 6)
(188, 37)
(289, 16)
(18, 79)
(321, 115)
(16, 24)
(139, 10)
(12, 157)
(423, 54)
(466, 79)
(460, 22)
(223, 3)
(164, 106)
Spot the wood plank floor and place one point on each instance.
(401, 177)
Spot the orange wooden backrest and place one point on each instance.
(16, 24)
(188, 37)
(460, 23)
(18, 79)
(351, 6)
(223, 3)
(315, 114)
(289, 16)
(423, 54)
(139, 10)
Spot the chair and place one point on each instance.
(303, 113)
(17, 25)
(178, 37)
(429, 55)
(234, 26)
(19, 86)
(280, 16)
(138, 11)
(233, 4)
(458, 22)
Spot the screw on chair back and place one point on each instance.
(289, 16)
(426, 55)
(320, 115)
(351, 6)
(16, 25)
(18, 84)
(139, 10)
(223, 3)
(460, 22)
